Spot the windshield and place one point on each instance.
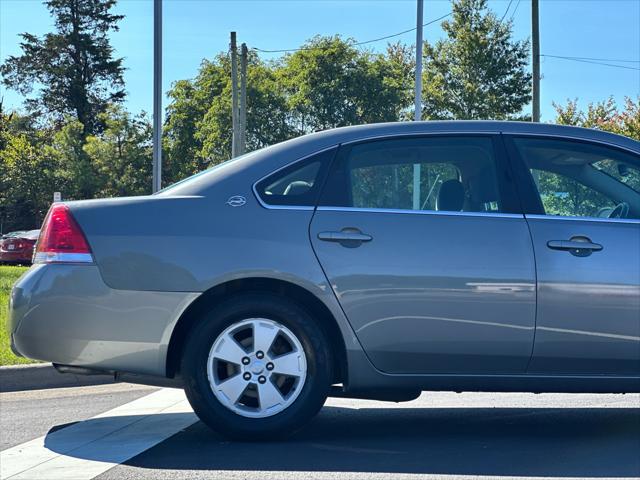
(624, 172)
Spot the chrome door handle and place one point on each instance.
(578, 246)
(346, 235)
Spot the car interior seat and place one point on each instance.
(451, 196)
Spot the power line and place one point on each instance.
(593, 62)
(597, 59)
(506, 11)
(386, 37)
(515, 10)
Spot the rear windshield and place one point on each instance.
(187, 183)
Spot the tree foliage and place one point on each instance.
(330, 83)
(604, 115)
(72, 70)
(198, 126)
(121, 155)
(25, 174)
(478, 71)
(35, 162)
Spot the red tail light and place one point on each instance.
(61, 239)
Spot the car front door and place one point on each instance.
(429, 254)
(583, 201)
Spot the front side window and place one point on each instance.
(565, 196)
(577, 179)
(453, 174)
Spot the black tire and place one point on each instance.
(295, 416)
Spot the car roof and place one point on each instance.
(473, 126)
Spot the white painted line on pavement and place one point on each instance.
(85, 450)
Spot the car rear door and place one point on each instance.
(429, 254)
(588, 265)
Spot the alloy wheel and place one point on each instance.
(256, 367)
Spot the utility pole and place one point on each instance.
(535, 41)
(244, 53)
(235, 138)
(418, 99)
(157, 95)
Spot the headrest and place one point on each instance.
(297, 188)
(450, 196)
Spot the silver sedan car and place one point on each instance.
(375, 261)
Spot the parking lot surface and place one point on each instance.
(123, 431)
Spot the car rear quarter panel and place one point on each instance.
(193, 244)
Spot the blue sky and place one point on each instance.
(197, 29)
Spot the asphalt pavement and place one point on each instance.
(30, 414)
(439, 435)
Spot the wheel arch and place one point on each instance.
(300, 295)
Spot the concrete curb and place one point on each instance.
(16, 378)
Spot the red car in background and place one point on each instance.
(17, 247)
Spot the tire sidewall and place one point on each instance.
(196, 354)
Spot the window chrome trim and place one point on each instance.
(421, 212)
(268, 206)
(284, 207)
(583, 219)
(61, 257)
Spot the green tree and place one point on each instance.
(180, 146)
(401, 77)
(27, 177)
(267, 113)
(478, 71)
(604, 115)
(74, 171)
(330, 83)
(73, 70)
(122, 154)
(197, 132)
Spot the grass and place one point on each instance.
(8, 276)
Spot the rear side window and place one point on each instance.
(298, 184)
(449, 173)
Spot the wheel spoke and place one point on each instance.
(233, 388)
(269, 395)
(263, 336)
(255, 385)
(288, 364)
(229, 350)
